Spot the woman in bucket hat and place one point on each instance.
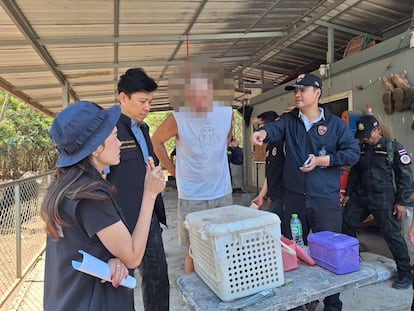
(81, 214)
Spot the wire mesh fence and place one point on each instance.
(22, 236)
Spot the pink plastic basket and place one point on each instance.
(290, 260)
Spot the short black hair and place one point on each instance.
(268, 116)
(136, 80)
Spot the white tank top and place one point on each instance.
(202, 168)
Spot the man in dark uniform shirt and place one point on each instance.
(135, 90)
(381, 184)
(234, 152)
(272, 188)
(235, 157)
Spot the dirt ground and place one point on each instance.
(174, 252)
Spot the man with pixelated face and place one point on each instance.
(201, 93)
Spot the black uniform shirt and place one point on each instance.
(275, 160)
(377, 173)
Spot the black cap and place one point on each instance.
(365, 125)
(304, 80)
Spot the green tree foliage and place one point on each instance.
(238, 127)
(24, 140)
(154, 119)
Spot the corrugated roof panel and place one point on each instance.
(27, 79)
(82, 54)
(18, 56)
(46, 44)
(145, 51)
(41, 12)
(157, 12)
(46, 92)
(77, 30)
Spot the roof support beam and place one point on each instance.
(146, 39)
(299, 52)
(89, 66)
(273, 69)
(330, 54)
(65, 95)
(294, 30)
(17, 16)
(344, 29)
(141, 63)
(11, 89)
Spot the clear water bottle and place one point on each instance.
(322, 152)
(296, 229)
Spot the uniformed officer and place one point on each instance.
(381, 184)
(273, 187)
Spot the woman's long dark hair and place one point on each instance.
(68, 183)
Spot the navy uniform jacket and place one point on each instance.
(235, 155)
(128, 177)
(332, 133)
(373, 174)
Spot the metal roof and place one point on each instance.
(55, 51)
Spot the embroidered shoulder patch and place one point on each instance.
(405, 159)
(402, 151)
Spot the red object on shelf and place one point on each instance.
(303, 256)
(356, 45)
(290, 261)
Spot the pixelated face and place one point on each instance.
(137, 105)
(199, 84)
(199, 94)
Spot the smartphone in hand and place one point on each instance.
(308, 161)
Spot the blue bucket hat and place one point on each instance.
(304, 80)
(81, 128)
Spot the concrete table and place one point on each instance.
(302, 286)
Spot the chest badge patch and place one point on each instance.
(274, 151)
(322, 129)
(405, 159)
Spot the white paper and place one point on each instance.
(100, 269)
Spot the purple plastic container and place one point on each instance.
(336, 252)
